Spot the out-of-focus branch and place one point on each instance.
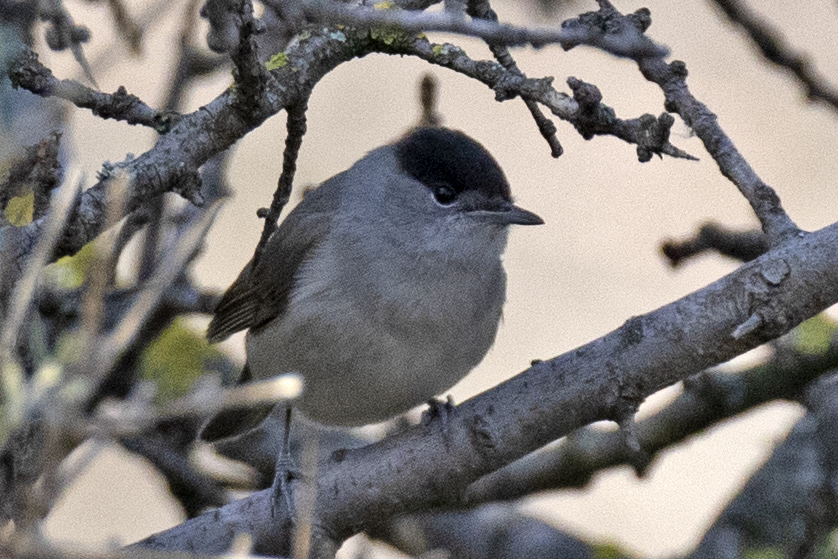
(775, 50)
(129, 30)
(195, 492)
(740, 245)
(624, 41)
(487, 532)
(790, 504)
(28, 73)
(63, 33)
(37, 170)
(708, 398)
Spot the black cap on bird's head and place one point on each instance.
(456, 168)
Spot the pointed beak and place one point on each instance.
(508, 215)
(520, 216)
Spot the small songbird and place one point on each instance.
(382, 288)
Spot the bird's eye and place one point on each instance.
(444, 194)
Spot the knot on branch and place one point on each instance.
(187, 183)
(27, 72)
(641, 19)
(593, 117)
(613, 32)
(653, 135)
(587, 95)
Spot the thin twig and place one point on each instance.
(168, 270)
(481, 10)
(296, 129)
(776, 51)
(585, 111)
(28, 73)
(623, 42)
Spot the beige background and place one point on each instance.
(593, 265)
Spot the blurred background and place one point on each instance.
(595, 263)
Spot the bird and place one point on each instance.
(383, 288)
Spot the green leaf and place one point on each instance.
(815, 335)
(20, 209)
(176, 359)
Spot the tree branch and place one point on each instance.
(427, 466)
(708, 398)
(774, 49)
(789, 505)
(740, 245)
(28, 73)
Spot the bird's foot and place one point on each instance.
(445, 411)
(282, 498)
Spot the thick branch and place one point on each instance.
(708, 398)
(427, 466)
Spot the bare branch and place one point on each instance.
(708, 398)
(626, 42)
(740, 245)
(481, 10)
(584, 111)
(296, 127)
(776, 51)
(28, 73)
(789, 505)
(249, 72)
(419, 468)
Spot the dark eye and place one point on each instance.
(444, 194)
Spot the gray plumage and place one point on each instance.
(384, 286)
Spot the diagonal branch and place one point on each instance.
(28, 73)
(427, 466)
(776, 51)
(789, 506)
(708, 398)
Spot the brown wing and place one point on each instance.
(256, 298)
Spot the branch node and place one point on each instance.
(754, 323)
